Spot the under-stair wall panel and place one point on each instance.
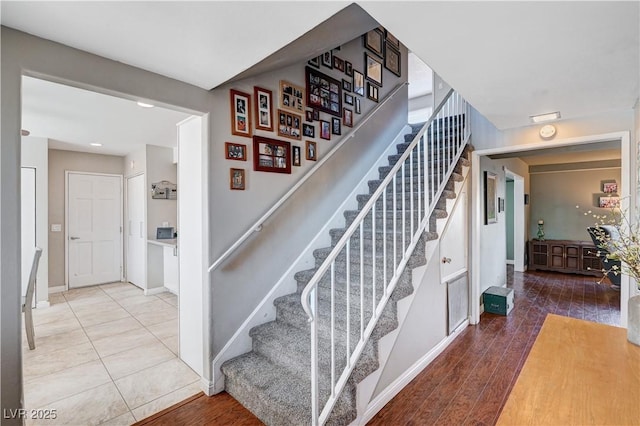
(243, 280)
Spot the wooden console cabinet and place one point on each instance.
(575, 257)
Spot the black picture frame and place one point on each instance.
(358, 83)
(373, 92)
(374, 41)
(308, 130)
(338, 63)
(391, 40)
(373, 69)
(336, 126)
(323, 92)
(327, 59)
(347, 85)
(348, 99)
(296, 157)
(357, 106)
(348, 68)
(392, 60)
(490, 198)
(315, 62)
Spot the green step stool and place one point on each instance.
(498, 300)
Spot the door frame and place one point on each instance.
(125, 226)
(66, 221)
(627, 201)
(519, 221)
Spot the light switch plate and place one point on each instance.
(56, 227)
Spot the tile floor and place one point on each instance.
(105, 355)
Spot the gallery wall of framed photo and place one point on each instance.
(306, 108)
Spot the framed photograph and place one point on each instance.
(347, 117)
(609, 202)
(348, 68)
(236, 179)
(347, 85)
(308, 116)
(240, 113)
(358, 83)
(338, 63)
(372, 92)
(610, 187)
(235, 151)
(316, 115)
(311, 151)
(309, 130)
(289, 125)
(490, 198)
(392, 60)
(391, 40)
(327, 59)
(357, 105)
(271, 155)
(325, 130)
(291, 97)
(323, 92)
(315, 62)
(264, 108)
(348, 99)
(296, 156)
(372, 69)
(373, 40)
(335, 126)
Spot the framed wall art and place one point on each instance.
(271, 155)
(264, 108)
(609, 202)
(357, 105)
(336, 128)
(609, 187)
(347, 85)
(373, 69)
(348, 68)
(296, 156)
(323, 92)
(327, 59)
(289, 125)
(391, 40)
(373, 40)
(235, 151)
(347, 117)
(348, 99)
(338, 63)
(240, 104)
(372, 92)
(308, 116)
(311, 151)
(291, 97)
(358, 83)
(315, 61)
(309, 130)
(325, 130)
(392, 60)
(236, 179)
(490, 198)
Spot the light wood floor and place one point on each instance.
(470, 381)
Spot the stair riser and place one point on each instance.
(368, 260)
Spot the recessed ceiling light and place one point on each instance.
(145, 105)
(24, 132)
(95, 144)
(541, 118)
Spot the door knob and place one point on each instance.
(74, 238)
(446, 260)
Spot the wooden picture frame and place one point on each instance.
(291, 97)
(311, 151)
(237, 179)
(240, 106)
(373, 69)
(348, 68)
(235, 151)
(325, 130)
(323, 92)
(338, 63)
(358, 107)
(263, 108)
(336, 128)
(271, 155)
(308, 130)
(374, 41)
(296, 156)
(289, 125)
(315, 62)
(358, 83)
(392, 60)
(327, 59)
(347, 117)
(490, 198)
(373, 92)
(391, 40)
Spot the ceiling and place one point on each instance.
(72, 118)
(509, 59)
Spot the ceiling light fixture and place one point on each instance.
(24, 132)
(95, 144)
(145, 105)
(541, 118)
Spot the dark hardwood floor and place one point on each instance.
(470, 381)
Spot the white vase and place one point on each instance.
(633, 326)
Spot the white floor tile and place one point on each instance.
(123, 341)
(123, 420)
(111, 328)
(157, 316)
(136, 359)
(41, 364)
(45, 344)
(165, 329)
(89, 318)
(166, 401)
(63, 325)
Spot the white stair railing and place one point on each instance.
(387, 230)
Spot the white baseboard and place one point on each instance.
(155, 290)
(57, 289)
(43, 304)
(412, 372)
(206, 386)
(510, 262)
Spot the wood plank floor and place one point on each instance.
(470, 381)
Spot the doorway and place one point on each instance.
(94, 228)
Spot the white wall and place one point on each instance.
(159, 167)
(35, 154)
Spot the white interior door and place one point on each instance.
(136, 232)
(28, 223)
(94, 228)
(453, 246)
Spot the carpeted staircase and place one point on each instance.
(273, 380)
